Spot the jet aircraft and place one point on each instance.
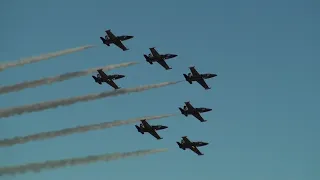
(154, 56)
(200, 78)
(187, 144)
(188, 109)
(110, 38)
(146, 127)
(102, 77)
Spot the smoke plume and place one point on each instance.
(68, 101)
(42, 57)
(37, 167)
(77, 129)
(59, 78)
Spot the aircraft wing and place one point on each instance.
(196, 150)
(189, 106)
(110, 34)
(145, 124)
(154, 133)
(163, 64)
(120, 45)
(103, 75)
(194, 71)
(154, 52)
(112, 83)
(198, 116)
(186, 140)
(203, 84)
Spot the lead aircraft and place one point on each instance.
(146, 127)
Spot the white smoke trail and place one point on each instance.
(68, 101)
(59, 78)
(37, 167)
(77, 129)
(43, 57)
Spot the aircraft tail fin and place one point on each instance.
(147, 59)
(183, 112)
(96, 79)
(103, 39)
(139, 129)
(187, 78)
(180, 146)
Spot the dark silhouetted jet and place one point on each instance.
(146, 127)
(187, 144)
(110, 38)
(188, 109)
(102, 77)
(200, 78)
(154, 56)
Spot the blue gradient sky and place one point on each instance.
(265, 100)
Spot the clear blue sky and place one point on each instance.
(265, 100)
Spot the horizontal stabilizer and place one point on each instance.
(139, 129)
(180, 146)
(102, 39)
(183, 112)
(96, 80)
(147, 59)
(187, 78)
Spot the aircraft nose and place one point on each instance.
(121, 76)
(130, 37)
(164, 127)
(174, 55)
(208, 109)
(205, 143)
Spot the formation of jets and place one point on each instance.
(155, 57)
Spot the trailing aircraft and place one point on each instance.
(188, 109)
(146, 127)
(102, 77)
(200, 78)
(154, 56)
(187, 144)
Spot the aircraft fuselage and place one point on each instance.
(161, 57)
(113, 40)
(99, 79)
(202, 110)
(201, 76)
(156, 127)
(197, 144)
